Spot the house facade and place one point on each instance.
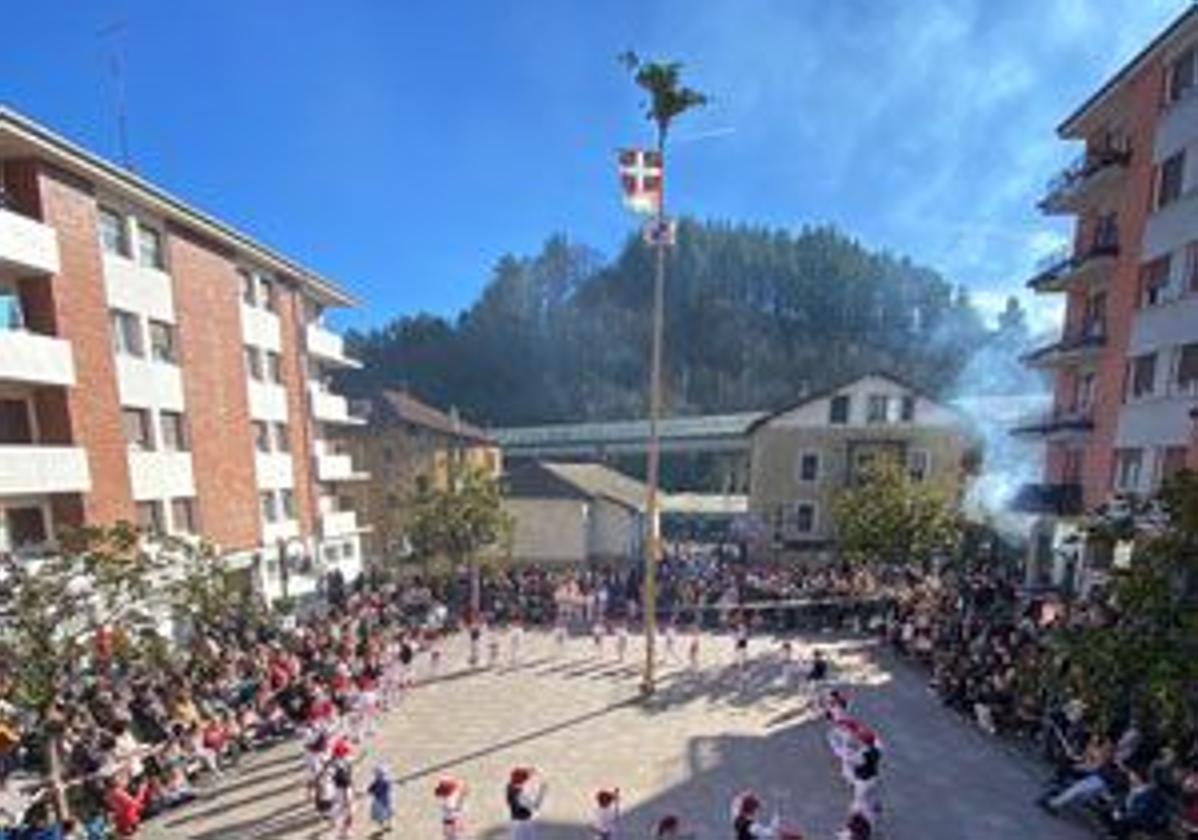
(1125, 368)
(574, 514)
(160, 367)
(409, 445)
(806, 454)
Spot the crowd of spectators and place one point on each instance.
(993, 655)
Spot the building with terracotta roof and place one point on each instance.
(409, 445)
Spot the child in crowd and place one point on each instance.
(380, 790)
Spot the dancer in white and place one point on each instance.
(524, 793)
(621, 641)
(515, 643)
(451, 799)
(692, 649)
(607, 814)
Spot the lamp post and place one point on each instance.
(668, 99)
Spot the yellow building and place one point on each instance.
(805, 454)
(409, 445)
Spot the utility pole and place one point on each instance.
(668, 99)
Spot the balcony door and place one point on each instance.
(16, 425)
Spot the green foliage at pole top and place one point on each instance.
(889, 517)
(668, 98)
(1138, 653)
(460, 519)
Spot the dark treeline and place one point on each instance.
(753, 317)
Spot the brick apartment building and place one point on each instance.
(1126, 366)
(159, 367)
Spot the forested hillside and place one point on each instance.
(753, 317)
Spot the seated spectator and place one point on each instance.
(1144, 808)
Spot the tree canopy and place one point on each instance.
(753, 317)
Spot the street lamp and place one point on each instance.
(668, 99)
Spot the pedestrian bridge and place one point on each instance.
(705, 433)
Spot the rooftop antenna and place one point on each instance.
(116, 68)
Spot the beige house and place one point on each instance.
(805, 454)
(566, 513)
(409, 445)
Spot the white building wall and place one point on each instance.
(548, 530)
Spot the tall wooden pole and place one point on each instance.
(652, 545)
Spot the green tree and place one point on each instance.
(461, 520)
(1142, 657)
(52, 610)
(890, 517)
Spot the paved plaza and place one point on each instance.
(705, 735)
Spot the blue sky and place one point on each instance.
(402, 148)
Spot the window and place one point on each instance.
(1187, 369)
(11, 316)
(1181, 76)
(174, 432)
(26, 527)
(808, 466)
(183, 516)
(114, 236)
(149, 247)
(388, 454)
(919, 464)
(1142, 376)
(274, 369)
(266, 294)
(149, 518)
(392, 501)
(1106, 234)
(1190, 281)
(838, 412)
(1170, 180)
(1127, 469)
(1071, 469)
(862, 464)
(1083, 391)
(347, 551)
(282, 438)
(138, 431)
(877, 409)
(803, 521)
(1172, 461)
(1154, 282)
(253, 362)
(287, 500)
(269, 511)
(332, 553)
(126, 334)
(15, 423)
(907, 412)
(247, 287)
(261, 436)
(1094, 316)
(162, 342)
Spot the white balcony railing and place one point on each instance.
(328, 346)
(35, 469)
(328, 407)
(339, 523)
(332, 467)
(38, 359)
(27, 247)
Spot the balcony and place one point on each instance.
(328, 407)
(1049, 499)
(1081, 344)
(1063, 270)
(32, 469)
(1058, 425)
(35, 359)
(333, 466)
(1090, 177)
(27, 247)
(339, 523)
(328, 347)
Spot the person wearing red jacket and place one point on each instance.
(126, 807)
